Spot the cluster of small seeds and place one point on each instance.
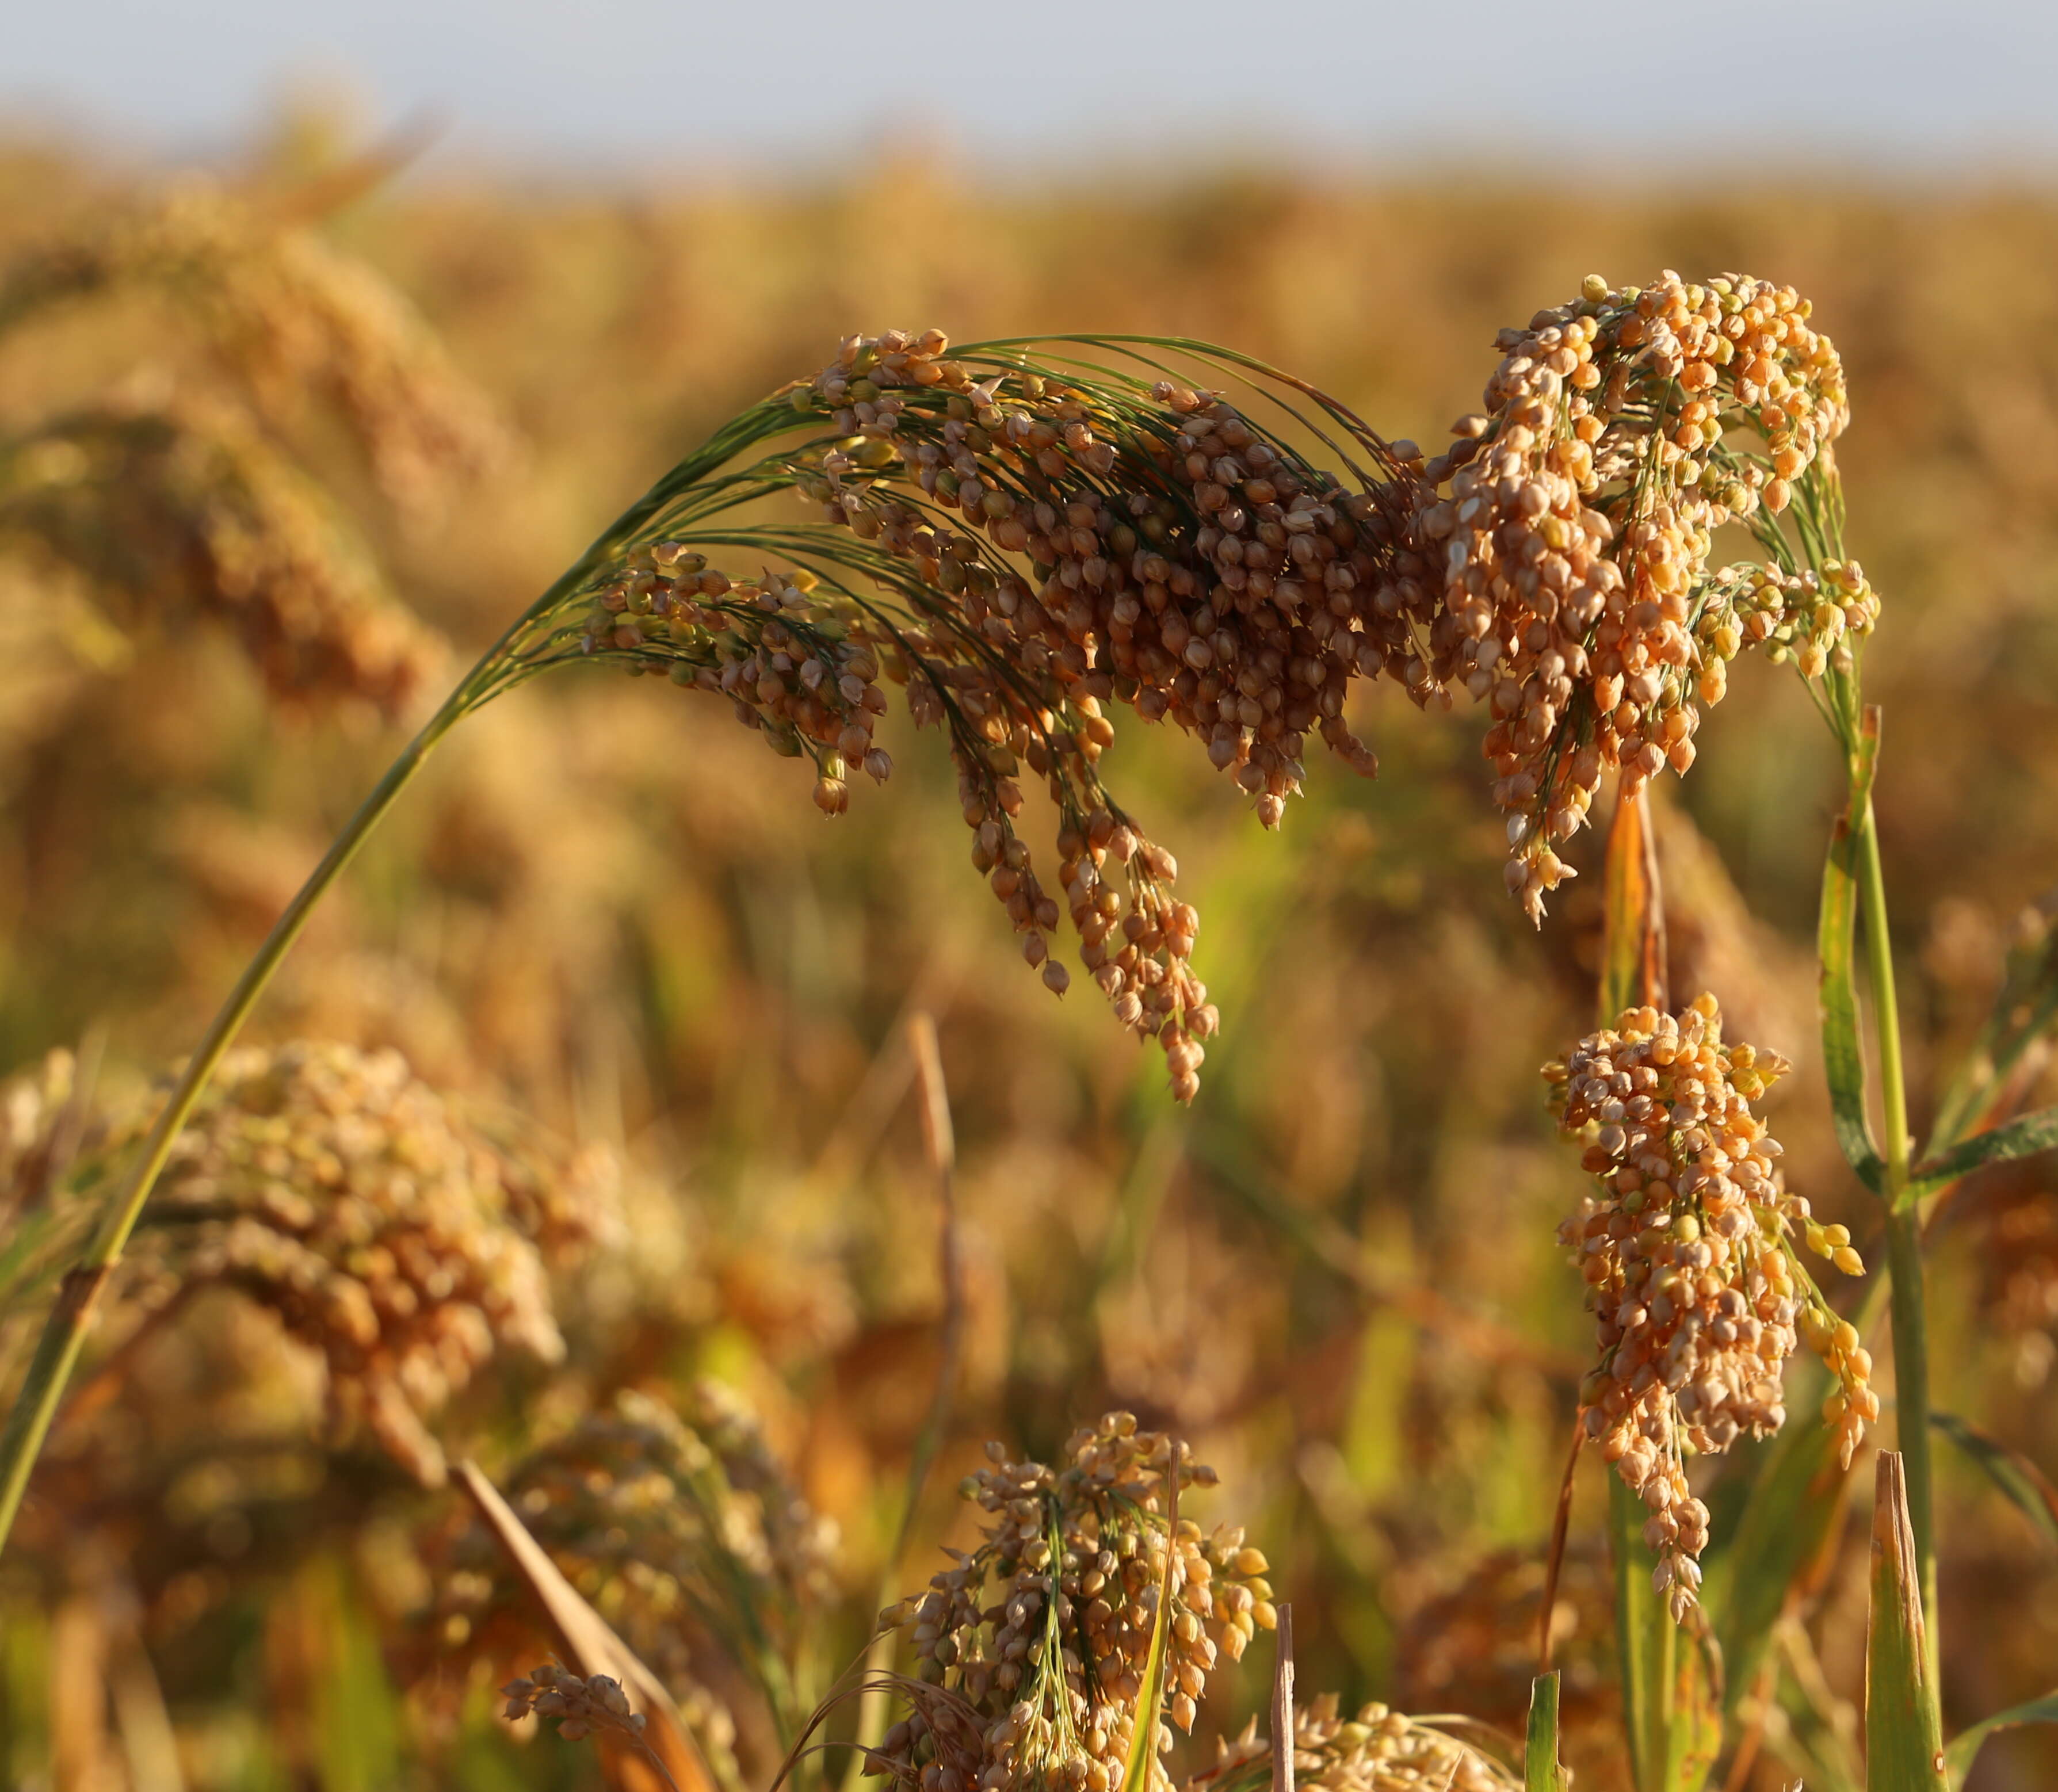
(582, 1706)
(1042, 1634)
(1047, 548)
(765, 643)
(1047, 544)
(664, 1523)
(1149, 548)
(1803, 616)
(1379, 1750)
(333, 1187)
(1179, 559)
(1687, 1252)
(1573, 547)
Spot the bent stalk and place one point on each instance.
(64, 1334)
(71, 1318)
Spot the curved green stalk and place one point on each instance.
(70, 1319)
(1904, 1235)
(64, 1332)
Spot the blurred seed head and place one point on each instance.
(682, 1529)
(333, 1187)
(179, 506)
(295, 318)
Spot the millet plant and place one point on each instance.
(1024, 537)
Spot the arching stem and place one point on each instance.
(64, 1332)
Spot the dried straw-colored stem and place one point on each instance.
(589, 1643)
(941, 1140)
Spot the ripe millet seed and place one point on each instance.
(1687, 1253)
(1022, 543)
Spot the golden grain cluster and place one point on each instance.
(589, 1165)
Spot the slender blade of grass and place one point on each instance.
(2023, 1009)
(1904, 1744)
(1541, 1771)
(1645, 1639)
(940, 1139)
(2020, 1479)
(2020, 1137)
(1282, 1703)
(1554, 1561)
(1633, 967)
(1964, 1749)
(1150, 1699)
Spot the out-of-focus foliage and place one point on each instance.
(606, 922)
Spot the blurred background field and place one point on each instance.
(613, 930)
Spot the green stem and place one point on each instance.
(1903, 1230)
(64, 1332)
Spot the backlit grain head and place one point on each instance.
(1572, 549)
(1040, 1635)
(1687, 1249)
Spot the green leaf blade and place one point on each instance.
(1792, 1517)
(1964, 1749)
(2020, 1137)
(1136, 1774)
(2019, 1480)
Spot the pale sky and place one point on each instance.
(612, 86)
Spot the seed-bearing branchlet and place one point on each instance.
(1040, 1636)
(1688, 1254)
(1023, 549)
(581, 1705)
